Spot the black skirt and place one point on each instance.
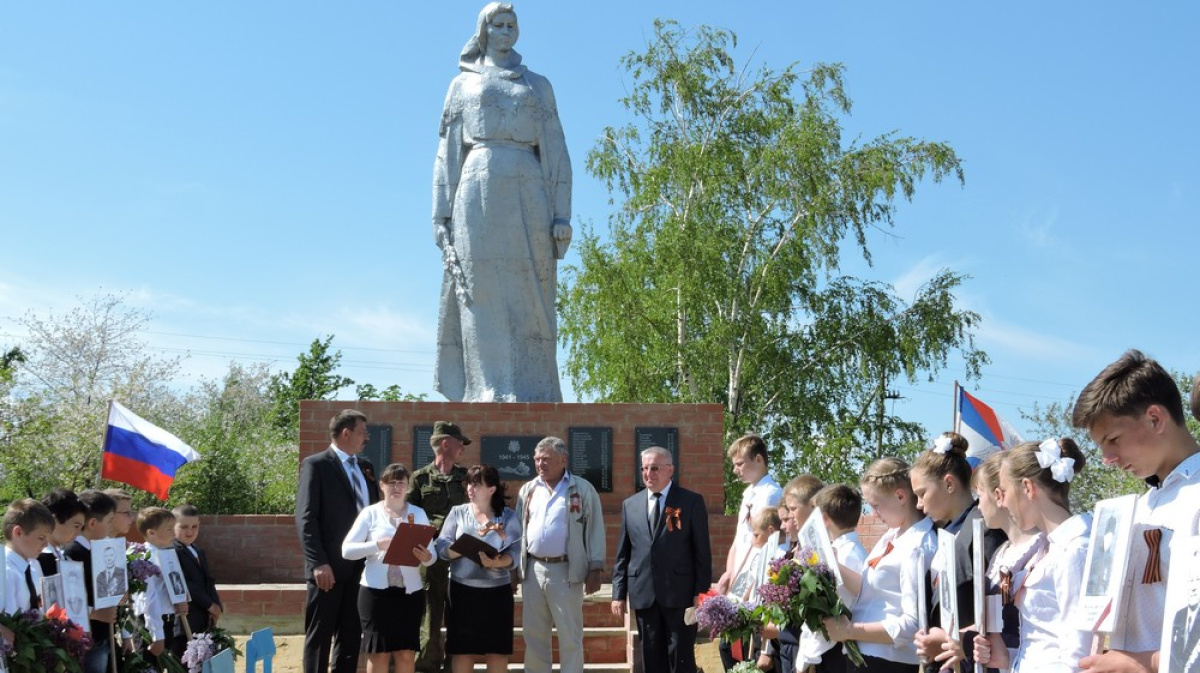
(479, 621)
(391, 619)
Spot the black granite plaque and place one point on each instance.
(591, 456)
(379, 446)
(422, 452)
(644, 438)
(512, 456)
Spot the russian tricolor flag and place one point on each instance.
(985, 431)
(141, 454)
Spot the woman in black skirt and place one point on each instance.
(479, 620)
(391, 599)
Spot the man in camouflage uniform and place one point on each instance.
(436, 488)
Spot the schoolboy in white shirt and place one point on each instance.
(750, 465)
(1134, 413)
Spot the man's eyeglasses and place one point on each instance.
(655, 468)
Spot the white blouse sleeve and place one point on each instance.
(358, 543)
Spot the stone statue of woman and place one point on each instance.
(501, 216)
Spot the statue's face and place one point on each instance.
(502, 32)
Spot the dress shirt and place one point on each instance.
(461, 521)
(16, 596)
(1048, 597)
(358, 483)
(757, 497)
(889, 590)
(153, 604)
(372, 525)
(850, 553)
(662, 502)
(546, 535)
(1172, 507)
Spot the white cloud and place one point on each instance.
(1038, 229)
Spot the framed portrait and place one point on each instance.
(109, 572)
(979, 578)
(172, 574)
(814, 534)
(52, 592)
(1104, 572)
(1180, 647)
(3, 580)
(74, 593)
(922, 597)
(947, 583)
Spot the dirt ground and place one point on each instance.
(288, 650)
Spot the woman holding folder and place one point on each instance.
(391, 598)
(477, 539)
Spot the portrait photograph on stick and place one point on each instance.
(1180, 650)
(74, 593)
(168, 562)
(108, 571)
(947, 583)
(814, 534)
(1104, 571)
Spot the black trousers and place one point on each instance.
(332, 616)
(668, 645)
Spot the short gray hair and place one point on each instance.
(658, 451)
(558, 445)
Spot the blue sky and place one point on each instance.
(258, 174)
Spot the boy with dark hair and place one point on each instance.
(157, 526)
(101, 509)
(1134, 413)
(204, 605)
(69, 517)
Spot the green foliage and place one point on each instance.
(248, 465)
(368, 392)
(56, 409)
(1097, 481)
(717, 281)
(314, 379)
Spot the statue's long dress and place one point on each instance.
(503, 178)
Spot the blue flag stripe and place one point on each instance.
(133, 446)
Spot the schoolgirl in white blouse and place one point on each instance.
(1035, 484)
(885, 616)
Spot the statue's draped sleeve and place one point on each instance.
(552, 151)
(447, 167)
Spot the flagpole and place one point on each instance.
(954, 423)
(100, 473)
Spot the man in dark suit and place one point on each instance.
(664, 561)
(332, 491)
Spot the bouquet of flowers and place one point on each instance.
(802, 591)
(141, 567)
(51, 643)
(206, 645)
(723, 617)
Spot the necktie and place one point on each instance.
(35, 602)
(359, 496)
(654, 513)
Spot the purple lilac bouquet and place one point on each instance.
(802, 591)
(138, 556)
(50, 643)
(723, 617)
(206, 645)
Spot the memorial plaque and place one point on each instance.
(511, 456)
(422, 452)
(591, 456)
(644, 438)
(379, 446)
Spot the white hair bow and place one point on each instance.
(1049, 455)
(941, 445)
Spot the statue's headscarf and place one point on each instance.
(476, 47)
